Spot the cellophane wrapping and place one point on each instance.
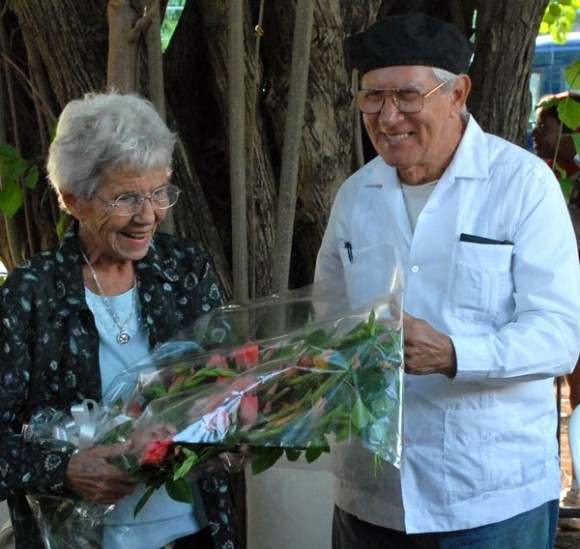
(293, 374)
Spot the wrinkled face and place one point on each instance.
(106, 233)
(545, 134)
(419, 145)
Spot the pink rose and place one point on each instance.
(249, 409)
(247, 355)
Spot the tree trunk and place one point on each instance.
(237, 146)
(302, 37)
(199, 99)
(504, 51)
(326, 154)
(123, 48)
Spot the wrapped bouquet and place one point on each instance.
(287, 375)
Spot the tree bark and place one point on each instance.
(292, 138)
(237, 146)
(75, 60)
(199, 99)
(123, 46)
(326, 153)
(505, 38)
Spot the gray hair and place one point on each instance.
(104, 131)
(441, 75)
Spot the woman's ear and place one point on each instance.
(74, 205)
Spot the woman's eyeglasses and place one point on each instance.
(128, 204)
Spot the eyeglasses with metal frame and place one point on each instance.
(407, 101)
(126, 204)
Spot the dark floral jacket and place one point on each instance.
(49, 357)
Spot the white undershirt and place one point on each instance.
(162, 519)
(416, 196)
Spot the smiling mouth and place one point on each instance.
(394, 138)
(134, 236)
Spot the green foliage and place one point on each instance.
(559, 19)
(15, 173)
(172, 15)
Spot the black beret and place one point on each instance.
(409, 39)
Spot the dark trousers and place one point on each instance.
(535, 529)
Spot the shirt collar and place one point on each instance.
(471, 159)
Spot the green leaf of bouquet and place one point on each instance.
(144, 499)
(313, 453)
(187, 451)
(266, 460)
(360, 414)
(292, 454)
(185, 467)
(154, 391)
(317, 338)
(569, 112)
(179, 490)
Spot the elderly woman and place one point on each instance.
(74, 317)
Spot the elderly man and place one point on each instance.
(492, 300)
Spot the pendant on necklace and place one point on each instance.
(123, 338)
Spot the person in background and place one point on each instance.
(492, 301)
(72, 318)
(553, 142)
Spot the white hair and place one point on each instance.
(105, 131)
(441, 75)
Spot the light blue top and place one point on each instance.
(163, 519)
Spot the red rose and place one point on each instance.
(247, 355)
(156, 451)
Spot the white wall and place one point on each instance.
(290, 506)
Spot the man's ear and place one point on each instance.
(460, 91)
(74, 204)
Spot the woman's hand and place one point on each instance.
(142, 436)
(91, 475)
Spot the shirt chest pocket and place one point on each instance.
(480, 286)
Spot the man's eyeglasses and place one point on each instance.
(371, 101)
(128, 204)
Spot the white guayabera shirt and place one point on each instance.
(482, 447)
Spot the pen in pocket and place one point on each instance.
(348, 247)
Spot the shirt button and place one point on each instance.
(415, 268)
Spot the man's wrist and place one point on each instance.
(451, 370)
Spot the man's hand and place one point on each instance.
(427, 351)
(93, 477)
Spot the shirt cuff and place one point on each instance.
(473, 357)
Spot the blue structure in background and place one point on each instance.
(547, 76)
(549, 63)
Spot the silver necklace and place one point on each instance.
(123, 336)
